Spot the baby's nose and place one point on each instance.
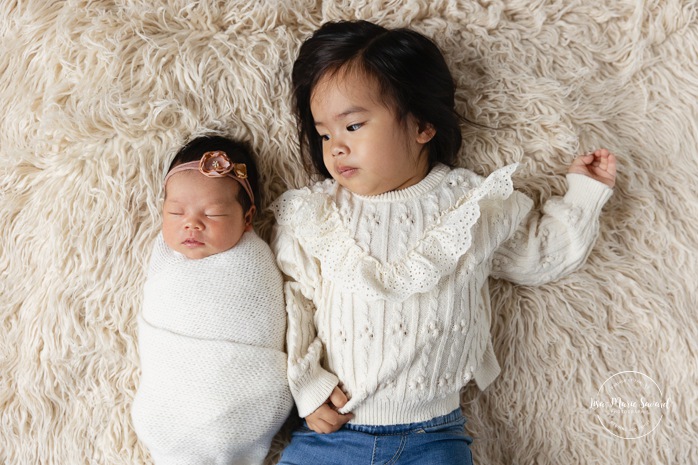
(193, 224)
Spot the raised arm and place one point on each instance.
(553, 243)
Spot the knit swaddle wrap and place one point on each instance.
(213, 388)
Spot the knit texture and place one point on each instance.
(213, 387)
(388, 294)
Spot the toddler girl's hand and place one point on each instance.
(599, 165)
(326, 419)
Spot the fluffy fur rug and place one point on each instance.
(97, 96)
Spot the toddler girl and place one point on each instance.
(213, 388)
(388, 258)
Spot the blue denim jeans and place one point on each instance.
(439, 441)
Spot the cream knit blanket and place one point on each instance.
(213, 388)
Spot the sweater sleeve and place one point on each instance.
(311, 385)
(549, 245)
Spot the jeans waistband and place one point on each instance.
(406, 428)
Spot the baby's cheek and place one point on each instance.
(169, 233)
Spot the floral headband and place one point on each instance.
(217, 165)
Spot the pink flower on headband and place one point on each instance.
(217, 164)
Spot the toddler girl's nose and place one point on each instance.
(339, 148)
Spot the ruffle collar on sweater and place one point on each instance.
(316, 221)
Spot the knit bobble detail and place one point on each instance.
(400, 329)
(418, 384)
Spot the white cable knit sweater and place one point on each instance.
(388, 296)
(213, 388)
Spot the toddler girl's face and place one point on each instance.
(201, 215)
(365, 147)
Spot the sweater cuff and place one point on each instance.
(489, 368)
(312, 389)
(587, 193)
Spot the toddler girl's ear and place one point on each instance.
(248, 218)
(425, 132)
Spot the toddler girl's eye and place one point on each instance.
(324, 137)
(354, 127)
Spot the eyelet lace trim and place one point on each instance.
(315, 218)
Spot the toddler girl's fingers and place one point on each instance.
(342, 420)
(320, 426)
(604, 161)
(582, 161)
(338, 398)
(335, 418)
(330, 423)
(611, 160)
(322, 422)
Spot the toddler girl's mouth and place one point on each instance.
(192, 243)
(346, 171)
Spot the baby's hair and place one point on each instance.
(237, 152)
(410, 70)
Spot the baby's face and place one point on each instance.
(201, 215)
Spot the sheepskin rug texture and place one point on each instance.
(97, 96)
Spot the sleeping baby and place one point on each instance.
(213, 387)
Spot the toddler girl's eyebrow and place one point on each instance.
(344, 114)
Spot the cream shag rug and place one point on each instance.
(97, 96)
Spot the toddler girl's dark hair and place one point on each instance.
(237, 152)
(410, 70)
